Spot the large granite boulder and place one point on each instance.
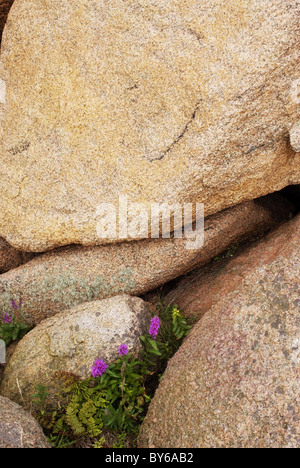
(73, 275)
(167, 101)
(235, 381)
(18, 429)
(71, 342)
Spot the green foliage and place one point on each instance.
(118, 400)
(180, 327)
(229, 253)
(40, 397)
(12, 326)
(174, 328)
(60, 441)
(121, 441)
(99, 443)
(12, 331)
(81, 414)
(123, 384)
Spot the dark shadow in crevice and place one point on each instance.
(5, 6)
(292, 193)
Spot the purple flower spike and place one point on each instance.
(98, 368)
(123, 350)
(154, 327)
(7, 318)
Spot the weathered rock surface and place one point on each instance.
(5, 6)
(178, 101)
(72, 341)
(197, 292)
(70, 276)
(235, 380)
(10, 257)
(18, 429)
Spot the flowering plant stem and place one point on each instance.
(12, 327)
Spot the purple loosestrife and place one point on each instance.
(123, 350)
(7, 318)
(98, 368)
(154, 327)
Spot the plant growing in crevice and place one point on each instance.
(114, 398)
(230, 253)
(12, 326)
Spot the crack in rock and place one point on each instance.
(198, 35)
(177, 139)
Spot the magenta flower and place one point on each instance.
(123, 350)
(7, 318)
(98, 368)
(154, 327)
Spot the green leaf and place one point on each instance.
(15, 334)
(154, 344)
(113, 374)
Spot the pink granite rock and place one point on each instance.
(235, 381)
(18, 429)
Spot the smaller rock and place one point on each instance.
(18, 429)
(295, 137)
(12, 258)
(71, 341)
